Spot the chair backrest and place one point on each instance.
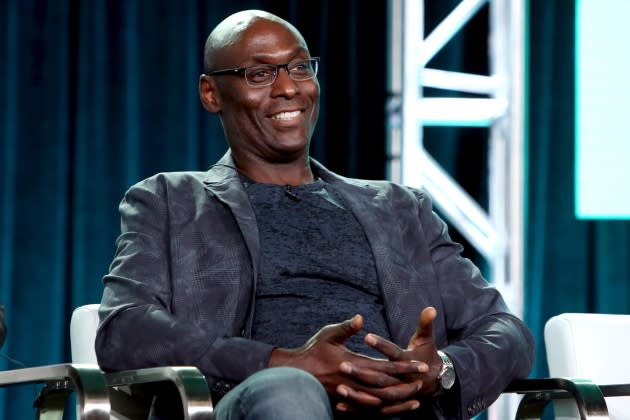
(590, 346)
(190, 385)
(83, 325)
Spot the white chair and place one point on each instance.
(583, 351)
(190, 383)
(83, 326)
(594, 347)
(537, 393)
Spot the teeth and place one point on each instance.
(286, 115)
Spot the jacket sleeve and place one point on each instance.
(488, 345)
(139, 324)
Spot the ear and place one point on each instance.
(209, 94)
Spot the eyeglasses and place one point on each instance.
(265, 74)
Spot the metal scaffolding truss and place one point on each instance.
(497, 233)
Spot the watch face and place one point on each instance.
(448, 378)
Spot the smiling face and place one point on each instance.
(272, 123)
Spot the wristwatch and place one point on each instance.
(446, 377)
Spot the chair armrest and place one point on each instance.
(190, 383)
(538, 392)
(87, 380)
(615, 390)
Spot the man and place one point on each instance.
(265, 271)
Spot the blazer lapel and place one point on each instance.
(223, 182)
(398, 278)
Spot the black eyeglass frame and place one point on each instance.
(313, 61)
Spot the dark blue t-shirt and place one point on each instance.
(316, 266)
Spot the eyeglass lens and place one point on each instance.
(266, 74)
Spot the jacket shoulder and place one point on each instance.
(169, 181)
(392, 190)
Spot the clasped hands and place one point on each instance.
(390, 385)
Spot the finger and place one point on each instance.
(427, 316)
(338, 333)
(358, 396)
(355, 408)
(384, 346)
(383, 373)
(367, 395)
(368, 376)
(401, 407)
(396, 393)
(425, 327)
(344, 406)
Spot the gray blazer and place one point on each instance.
(180, 287)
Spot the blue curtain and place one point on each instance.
(96, 95)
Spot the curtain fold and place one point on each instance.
(96, 95)
(35, 213)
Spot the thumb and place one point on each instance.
(338, 333)
(425, 327)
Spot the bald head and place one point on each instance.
(229, 31)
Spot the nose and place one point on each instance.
(284, 85)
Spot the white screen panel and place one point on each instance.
(602, 109)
